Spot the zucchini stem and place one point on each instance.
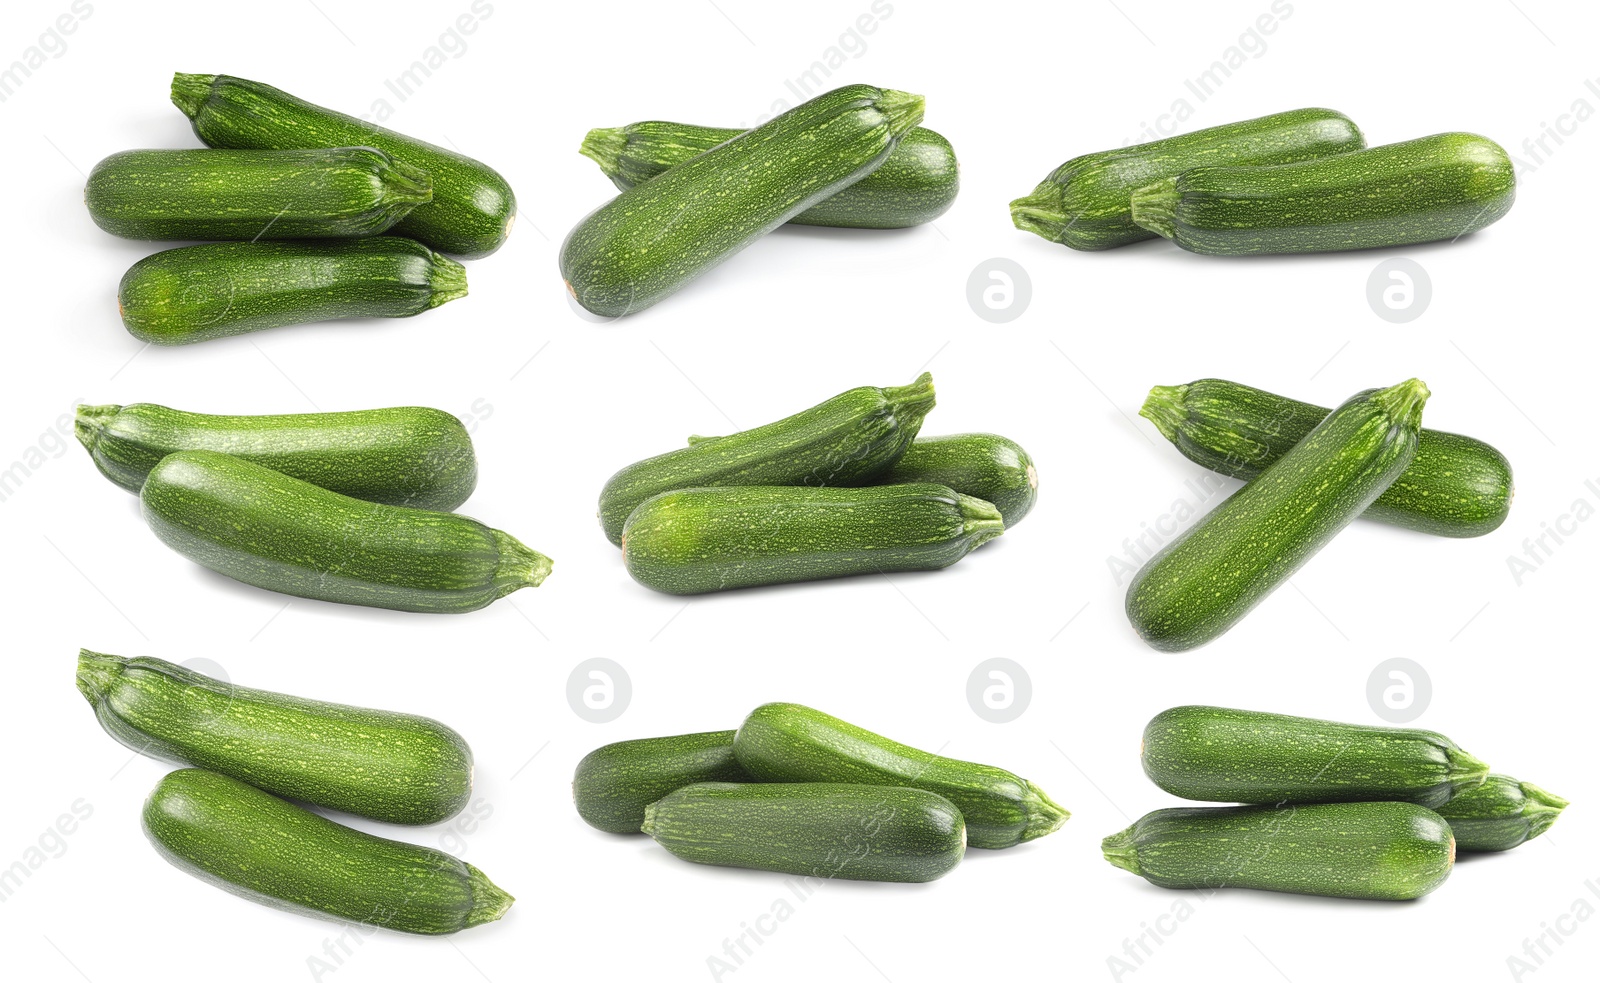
(911, 401)
(1164, 408)
(520, 566)
(1043, 213)
(447, 280)
(1155, 207)
(1045, 816)
(604, 145)
(489, 902)
(1119, 849)
(1465, 770)
(89, 422)
(1403, 405)
(96, 674)
(903, 110)
(189, 92)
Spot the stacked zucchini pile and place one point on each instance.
(353, 507)
(797, 791)
(846, 487)
(320, 216)
(1339, 810)
(1296, 182)
(229, 819)
(693, 196)
(1311, 472)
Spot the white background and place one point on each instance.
(557, 403)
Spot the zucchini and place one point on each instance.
(786, 742)
(1455, 486)
(853, 832)
(1379, 851)
(1439, 187)
(613, 784)
(709, 539)
(916, 183)
(247, 842)
(269, 530)
(472, 207)
(197, 293)
(847, 440)
(1500, 814)
(393, 767)
(340, 192)
(403, 455)
(654, 238)
(1214, 754)
(982, 465)
(1086, 202)
(1208, 578)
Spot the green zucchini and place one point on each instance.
(916, 183)
(197, 293)
(1500, 814)
(847, 440)
(853, 832)
(654, 238)
(1209, 577)
(1439, 187)
(982, 465)
(786, 742)
(247, 842)
(393, 767)
(1086, 202)
(613, 784)
(1379, 851)
(269, 530)
(709, 539)
(472, 207)
(1214, 754)
(403, 455)
(1455, 486)
(340, 193)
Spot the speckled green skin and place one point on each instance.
(1425, 190)
(239, 838)
(657, 237)
(786, 742)
(1456, 486)
(983, 465)
(1500, 814)
(472, 207)
(1086, 203)
(269, 530)
(402, 455)
(1214, 754)
(709, 539)
(613, 784)
(852, 832)
(1380, 851)
(917, 183)
(1209, 577)
(847, 440)
(197, 293)
(393, 767)
(339, 193)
